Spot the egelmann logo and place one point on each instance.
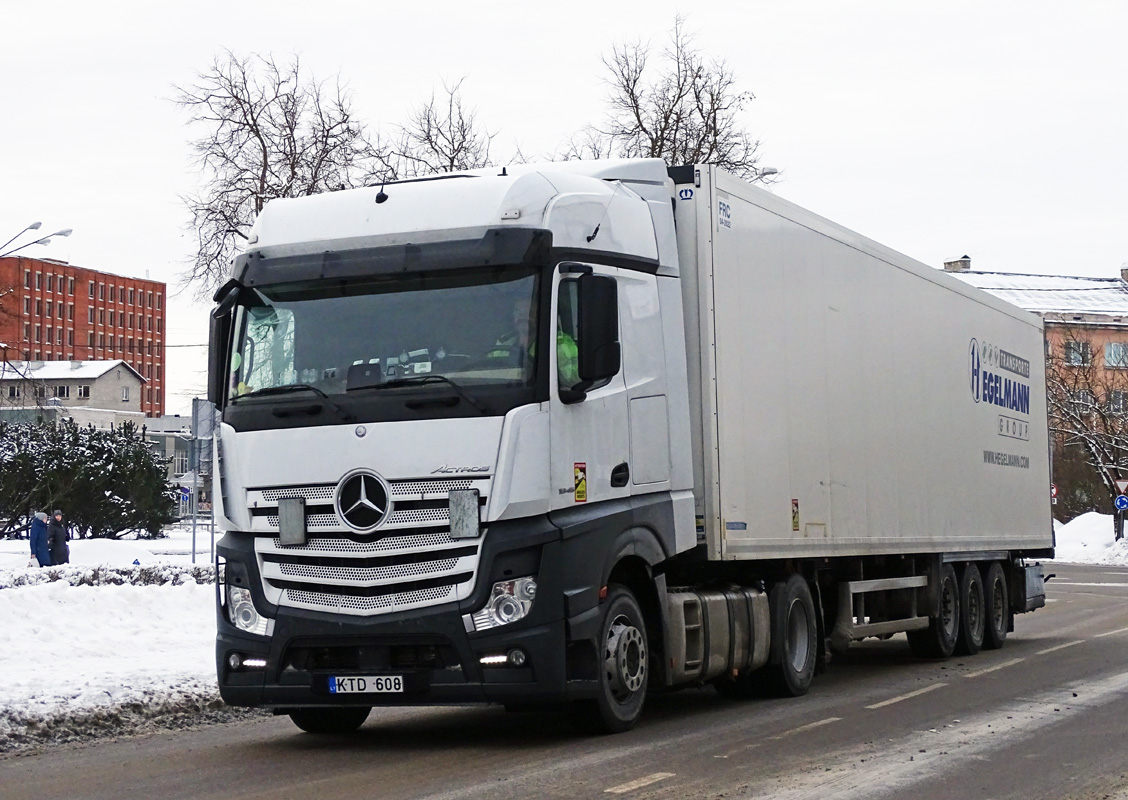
(986, 362)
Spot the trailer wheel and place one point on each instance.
(973, 619)
(794, 644)
(938, 640)
(330, 720)
(996, 608)
(623, 667)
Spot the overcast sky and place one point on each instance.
(993, 129)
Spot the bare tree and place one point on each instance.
(442, 135)
(270, 130)
(1087, 391)
(685, 110)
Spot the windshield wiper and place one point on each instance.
(297, 387)
(419, 380)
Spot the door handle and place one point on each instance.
(620, 475)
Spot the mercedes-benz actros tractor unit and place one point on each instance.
(556, 436)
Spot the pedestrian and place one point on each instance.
(57, 540)
(39, 550)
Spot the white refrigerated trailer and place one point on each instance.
(563, 434)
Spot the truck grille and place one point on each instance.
(409, 562)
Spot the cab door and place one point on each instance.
(590, 438)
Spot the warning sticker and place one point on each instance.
(579, 469)
(795, 514)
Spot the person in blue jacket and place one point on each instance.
(39, 539)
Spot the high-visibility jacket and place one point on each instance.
(567, 355)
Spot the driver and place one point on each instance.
(515, 344)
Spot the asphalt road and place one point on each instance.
(1045, 717)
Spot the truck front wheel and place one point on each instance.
(330, 720)
(623, 667)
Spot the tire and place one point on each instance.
(938, 640)
(794, 645)
(330, 720)
(624, 667)
(973, 619)
(996, 608)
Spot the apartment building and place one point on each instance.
(54, 311)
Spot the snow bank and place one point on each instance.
(1089, 539)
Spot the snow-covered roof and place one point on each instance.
(60, 370)
(1053, 294)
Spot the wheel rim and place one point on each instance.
(974, 609)
(948, 608)
(624, 658)
(798, 644)
(998, 603)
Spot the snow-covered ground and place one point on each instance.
(79, 659)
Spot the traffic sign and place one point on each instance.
(1121, 486)
(1053, 490)
(1121, 502)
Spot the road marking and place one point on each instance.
(807, 727)
(905, 767)
(623, 788)
(1111, 633)
(1010, 663)
(1059, 647)
(907, 696)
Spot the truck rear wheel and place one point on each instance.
(794, 643)
(938, 640)
(972, 618)
(330, 720)
(996, 608)
(623, 667)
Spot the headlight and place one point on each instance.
(241, 611)
(509, 601)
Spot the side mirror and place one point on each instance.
(219, 341)
(600, 355)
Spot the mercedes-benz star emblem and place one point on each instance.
(363, 501)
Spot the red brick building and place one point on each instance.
(55, 311)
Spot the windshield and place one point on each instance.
(468, 329)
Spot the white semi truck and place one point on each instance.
(560, 435)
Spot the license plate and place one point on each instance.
(366, 684)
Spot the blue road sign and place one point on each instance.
(1121, 502)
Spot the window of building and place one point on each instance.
(90, 339)
(50, 283)
(90, 315)
(1116, 355)
(41, 390)
(121, 343)
(70, 311)
(50, 335)
(70, 336)
(158, 302)
(111, 319)
(27, 332)
(38, 334)
(1116, 402)
(27, 278)
(39, 280)
(101, 316)
(27, 305)
(1081, 402)
(91, 290)
(84, 392)
(158, 324)
(113, 291)
(125, 394)
(150, 321)
(13, 392)
(131, 297)
(101, 291)
(149, 371)
(150, 299)
(70, 285)
(1078, 354)
(62, 392)
(101, 340)
(48, 308)
(39, 308)
(131, 322)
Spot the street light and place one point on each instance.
(32, 227)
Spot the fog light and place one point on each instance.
(235, 661)
(517, 657)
